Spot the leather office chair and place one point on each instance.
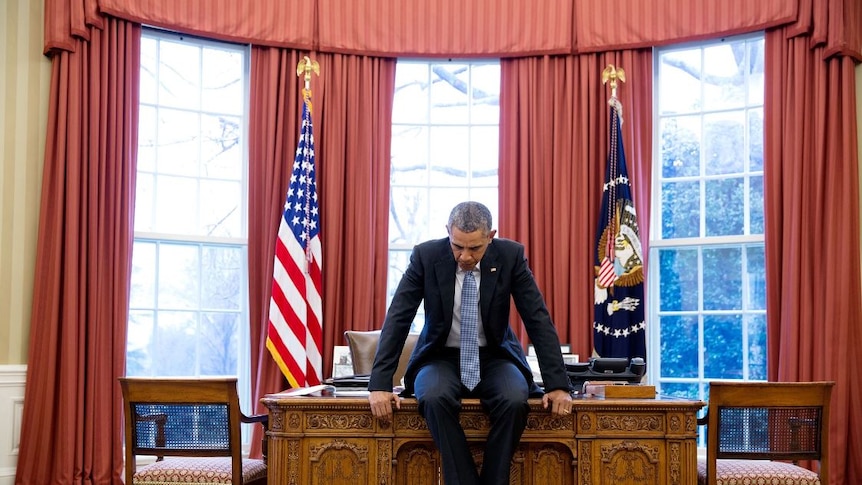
(363, 347)
(195, 423)
(757, 432)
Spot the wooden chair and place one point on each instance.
(193, 422)
(757, 432)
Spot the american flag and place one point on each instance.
(295, 335)
(619, 328)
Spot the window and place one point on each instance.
(188, 307)
(707, 283)
(445, 125)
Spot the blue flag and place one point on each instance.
(619, 328)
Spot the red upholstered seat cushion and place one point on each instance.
(212, 471)
(757, 472)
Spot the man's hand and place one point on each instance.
(381, 404)
(559, 400)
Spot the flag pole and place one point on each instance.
(619, 326)
(304, 68)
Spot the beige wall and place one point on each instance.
(25, 75)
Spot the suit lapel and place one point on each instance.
(445, 272)
(490, 273)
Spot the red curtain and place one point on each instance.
(625, 24)
(811, 184)
(446, 28)
(553, 153)
(352, 102)
(71, 429)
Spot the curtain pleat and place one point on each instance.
(71, 429)
(811, 209)
(553, 153)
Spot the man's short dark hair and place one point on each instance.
(470, 216)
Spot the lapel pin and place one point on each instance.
(493, 270)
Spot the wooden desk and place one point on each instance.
(336, 441)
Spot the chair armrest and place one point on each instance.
(160, 420)
(255, 418)
(263, 419)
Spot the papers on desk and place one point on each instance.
(322, 390)
(351, 392)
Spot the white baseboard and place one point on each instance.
(12, 379)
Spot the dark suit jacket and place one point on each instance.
(505, 277)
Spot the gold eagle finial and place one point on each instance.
(305, 67)
(613, 74)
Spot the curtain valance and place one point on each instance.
(457, 28)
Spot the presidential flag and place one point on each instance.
(619, 329)
(295, 336)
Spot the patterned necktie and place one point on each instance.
(469, 332)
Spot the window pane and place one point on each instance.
(142, 293)
(222, 278)
(410, 103)
(679, 346)
(179, 133)
(221, 208)
(722, 279)
(757, 347)
(756, 278)
(685, 391)
(724, 71)
(755, 139)
(485, 94)
(179, 75)
(680, 146)
(450, 85)
(679, 280)
(174, 348)
(219, 343)
(724, 143)
(221, 85)
(679, 85)
(176, 205)
(449, 155)
(725, 207)
(680, 209)
(755, 204)
(179, 276)
(408, 216)
(409, 155)
(221, 147)
(722, 335)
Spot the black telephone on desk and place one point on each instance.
(606, 369)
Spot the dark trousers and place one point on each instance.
(503, 392)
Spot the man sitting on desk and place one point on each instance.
(466, 348)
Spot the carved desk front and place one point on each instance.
(336, 441)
